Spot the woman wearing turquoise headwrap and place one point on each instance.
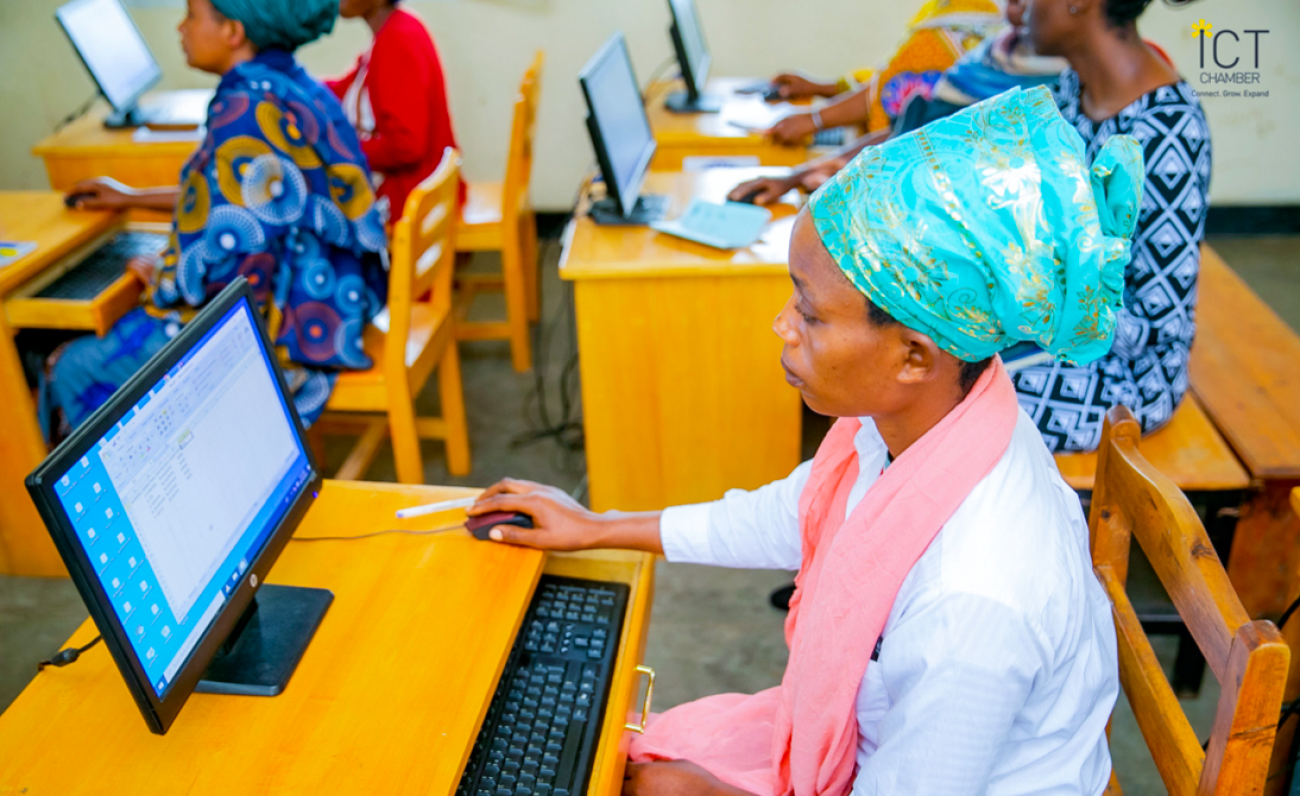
(947, 634)
(278, 192)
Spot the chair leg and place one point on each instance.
(532, 268)
(513, 267)
(453, 411)
(405, 437)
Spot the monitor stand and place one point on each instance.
(650, 207)
(131, 117)
(682, 102)
(266, 644)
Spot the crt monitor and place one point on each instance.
(113, 51)
(692, 58)
(170, 504)
(620, 134)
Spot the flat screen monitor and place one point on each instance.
(616, 120)
(112, 49)
(692, 58)
(170, 504)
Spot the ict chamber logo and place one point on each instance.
(1230, 60)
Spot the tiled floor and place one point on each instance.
(712, 630)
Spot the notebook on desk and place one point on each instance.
(731, 225)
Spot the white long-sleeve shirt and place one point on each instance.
(998, 668)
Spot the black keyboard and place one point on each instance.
(833, 136)
(540, 734)
(103, 267)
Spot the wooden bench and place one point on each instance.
(1245, 369)
(1189, 451)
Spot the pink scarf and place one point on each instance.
(801, 738)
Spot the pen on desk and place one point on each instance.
(433, 508)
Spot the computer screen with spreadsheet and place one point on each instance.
(175, 500)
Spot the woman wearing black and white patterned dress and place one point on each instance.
(1118, 84)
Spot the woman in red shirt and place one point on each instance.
(396, 97)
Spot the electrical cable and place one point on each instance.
(655, 74)
(78, 113)
(67, 656)
(429, 532)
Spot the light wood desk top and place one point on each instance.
(681, 135)
(592, 251)
(387, 699)
(40, 217)
(87, 136)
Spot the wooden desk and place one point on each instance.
(39, 217)
(86, 149)
(387, 699)
(1243, 368)
(709, 134)
(682, 389)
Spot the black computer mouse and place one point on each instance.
(70, 201)
(483, 524)
(772, 94)
(749, 198)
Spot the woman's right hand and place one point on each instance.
(766, 190)
(103, 193)
(793, 86)
(559, 521)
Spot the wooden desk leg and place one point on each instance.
(1266, 550)
(25, 546)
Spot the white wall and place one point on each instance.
(486, 45)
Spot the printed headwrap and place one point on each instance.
(281, 24)
(986, 228)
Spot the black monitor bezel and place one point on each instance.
(160, 713)
(695, 76)
(624, 197)
(135, 98)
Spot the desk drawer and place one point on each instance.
(27, 308)
(637, 570)
(97, 314)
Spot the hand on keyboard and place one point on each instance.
(143, 267)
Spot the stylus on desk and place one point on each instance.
(434, 508)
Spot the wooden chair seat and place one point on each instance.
(1189, 451)
(480, 218)
(363, 390)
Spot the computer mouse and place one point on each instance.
(749, 198)
(70, 201)
(483, 524)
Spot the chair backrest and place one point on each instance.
(424, 254)
(519, 161)
(1133, 499)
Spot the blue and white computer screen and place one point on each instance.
(179, 497)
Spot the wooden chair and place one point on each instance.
(420, 319)
(1280, 773)
(1132, 498)
(499, 217)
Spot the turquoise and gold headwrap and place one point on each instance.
(986, 228)
(281, 24)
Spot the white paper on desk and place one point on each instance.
(12, 251)
(147, 135)
(754, 115)
(706, 162)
